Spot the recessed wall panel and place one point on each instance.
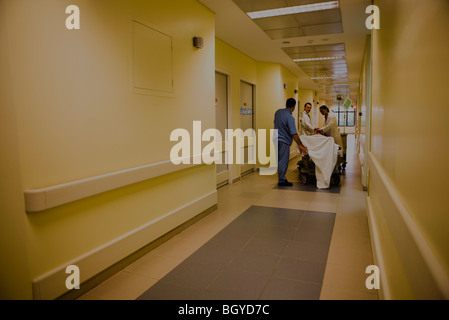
(152, 59)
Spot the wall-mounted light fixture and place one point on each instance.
(198, 42)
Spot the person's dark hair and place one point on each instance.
(291, 103)
(324, 107)
(308, 103)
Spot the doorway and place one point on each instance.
(221, 123)
(247, 121)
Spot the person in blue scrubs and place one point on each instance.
(285, 124)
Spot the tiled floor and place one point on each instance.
(349, 253)
(266, 253)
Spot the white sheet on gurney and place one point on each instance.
(323, 152)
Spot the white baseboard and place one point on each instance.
(378, 256)
(51, 285)
(425, 273)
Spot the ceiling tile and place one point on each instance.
(318, 23)
(274, 23)
(292, 3)
(330, 47)
(323, 29)
(305, 49)
(319, 17)
(285, 33)
(257, 5)
(322, 54)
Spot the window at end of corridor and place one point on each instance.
(346, 118)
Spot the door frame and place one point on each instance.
(229, 123)
(254, 122)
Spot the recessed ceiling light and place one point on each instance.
(324, 78)
(293, 10)
(318, 59)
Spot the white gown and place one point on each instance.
(306, 125)
(331, 129)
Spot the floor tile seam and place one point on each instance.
(306, 260)
(298, 280)
(283, 277)
(265, 222)
(346, 288)
(238, 252)
(351, 264)
(145, 276)
(271, 276)
(313, 225)
(349, 288)
(255, 272)
(269, 253)
(311, 243)
(92, 296)
(343, 205)
(348, 264)
(148, 277)
(254, 235)
(320, 228)
(206, 290)
(299, 223)
(323, 263)
(200, 290)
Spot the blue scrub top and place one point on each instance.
(285, 124)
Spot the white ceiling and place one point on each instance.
(322, 33)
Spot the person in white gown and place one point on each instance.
(330, 128)
(306, 122)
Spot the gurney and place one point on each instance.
(323, 164)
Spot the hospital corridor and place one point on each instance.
(144, 143)
(349, 251)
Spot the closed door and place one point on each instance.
(221, 123)
(247, 119)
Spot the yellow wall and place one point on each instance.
(410, 141)
(269, 79)
(238, 67)
(272, 95)
(70, 112)
(363, 113)
(15, 282)
(78, 116)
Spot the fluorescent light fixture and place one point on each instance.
(318, 59)
(339, 72)
(293, 10)
(325, 78)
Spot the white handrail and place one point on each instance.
(50, 197)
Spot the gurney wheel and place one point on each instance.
(335, 179)
(304, 178)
